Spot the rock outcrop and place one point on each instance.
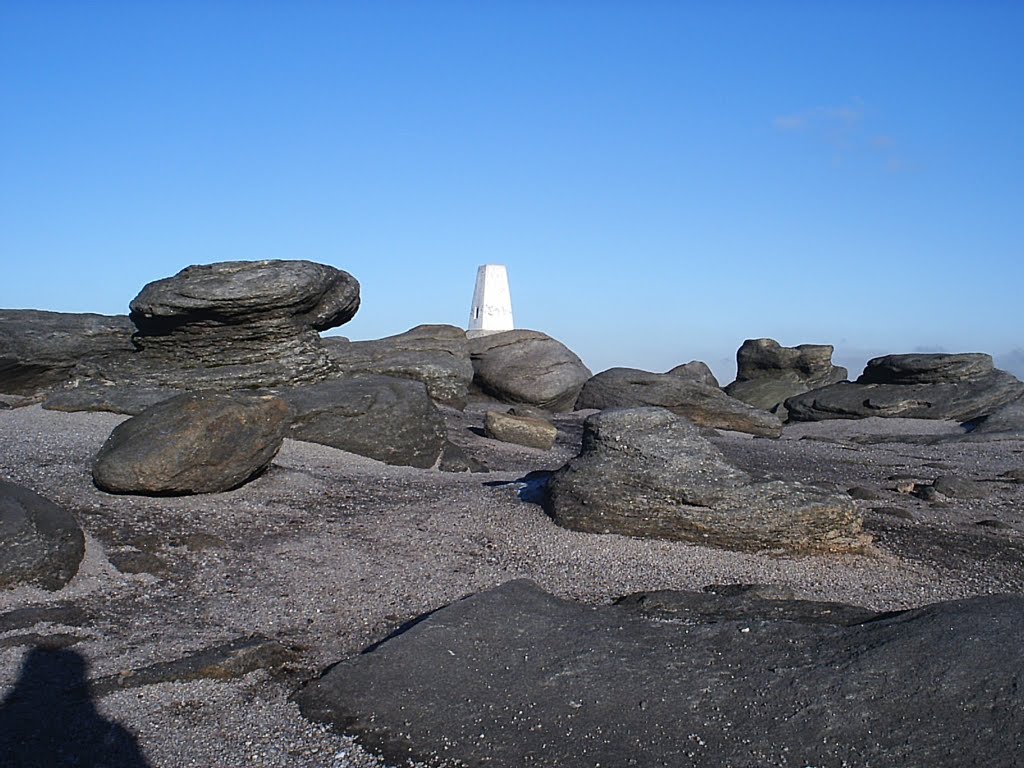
(961, 387)
(131, 399)
(41, 350)
(767, 374)
(527, 367)
(240, 324)
(200, 442)
(515, 676)
(696, 371)
(646, 472)
(41, 544)
(1005, 423)
(381, 417)
(702, 404)
(437, 355)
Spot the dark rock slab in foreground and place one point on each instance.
(961, 387)
(200, 442)
(702, 404)
(646, 472)
(41, 544)
(381, 417)
(39, 350)
(527, 367)
(437, 355)
(515, 676)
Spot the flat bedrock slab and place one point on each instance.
(41, 544)
(437, 355)
(114, 398)
(768, 373)
(201, 442)
(700, 403)
(649, 473)
(521, 430)
(515, 676)
(382, 417)
(240, 323)
(527, 367)
(40, 350)
(959, 387)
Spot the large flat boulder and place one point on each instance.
(198, 442)
(515, 676)
(702, 404)
(527, 367)
(41, 544)
(767, 374)
(240, 324)
(649, 473)
(960, 387)
(41, 350)
(381, 417)
(437, 355)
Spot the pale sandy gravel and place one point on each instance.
(329, 552)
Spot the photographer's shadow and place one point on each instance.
(49, 719)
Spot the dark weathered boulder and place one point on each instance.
(527, 367)
(646, 472)
(40, 350)
(702, 404)
(767, 374)
(40, 543)
(514, 676)
(1005, 423)
(959, 387)
(131, 399)
(521, 430)
(381, 417)
(200, 442)
(241, 323)
(696, 371)
(437, 355)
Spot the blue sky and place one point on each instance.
(663, 180)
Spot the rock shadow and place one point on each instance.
(49, 719)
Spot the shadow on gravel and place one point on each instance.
(533, 485)
(49, 719)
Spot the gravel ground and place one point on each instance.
(328, 553)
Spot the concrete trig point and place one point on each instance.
(492, 302)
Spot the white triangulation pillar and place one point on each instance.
(492, 302)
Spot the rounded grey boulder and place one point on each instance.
(529, 368)
(199, 442)
(40, 543)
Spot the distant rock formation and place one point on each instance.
(646, 472)
(200, 442)
(767, 374)
(41, 350)
(696, 371)
(918, 386)
(437, 355)
(529, 368)
(41, 544)
(240, 324)
(702, 404)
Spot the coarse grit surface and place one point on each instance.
(328, 553)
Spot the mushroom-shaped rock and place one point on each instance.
(768, 373)
(527, 367)
(919, 386)
(41, 544)
(702, 404)
(199, 442)
(646, 472)
(242, 323)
